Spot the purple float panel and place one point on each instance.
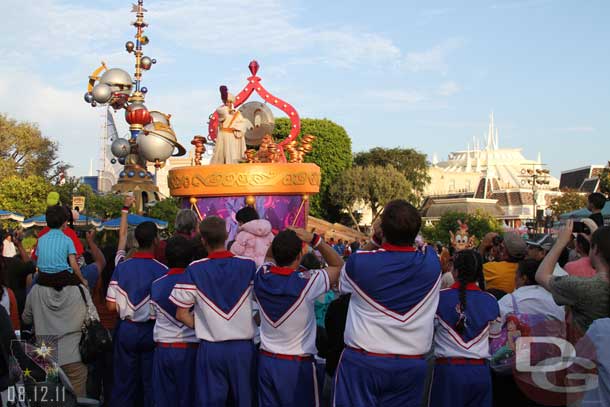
(280, 210)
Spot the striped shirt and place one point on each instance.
(53, 250)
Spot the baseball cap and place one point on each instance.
(545, 243)
(515, 245)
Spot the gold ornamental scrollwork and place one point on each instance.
(245, 179)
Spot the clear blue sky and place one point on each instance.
(394, 73)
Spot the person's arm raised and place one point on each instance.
(98, 256)
(19, 244)
(376, 239)
(127, 203)
(331, 257)
(546, 268)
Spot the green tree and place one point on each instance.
(411, 163)
(604, 180)
(332, 152)
(104, 206)
(24, 195)
(166, 210)
(25, 151)
(479, 224)
(374, 186)
(567, 202)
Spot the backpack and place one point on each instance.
(516, 324)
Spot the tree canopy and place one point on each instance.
(373, 185)
(569, 201)
(167, 210)
(479, 224)
(25, 151)
(24, 195)
(411, 163)
(332, 152)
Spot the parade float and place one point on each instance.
(248, 167)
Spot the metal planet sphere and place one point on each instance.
(101, 93)
(146, 63)
(144, 90)
(88, 97)
(122, 162)
(119, 81)
(120, 148)
(129, 46)
(113, 161)
(131, 174)
(153, 146)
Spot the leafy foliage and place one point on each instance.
(332, 152)
(479, 224)
(25, 151)
(99, 206)
(166, 210)
(569, 201)
(411, 163)
(24, 195)
(373, 185)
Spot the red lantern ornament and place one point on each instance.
(137, 113)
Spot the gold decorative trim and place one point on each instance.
(244, 179)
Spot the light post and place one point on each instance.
(535, 178)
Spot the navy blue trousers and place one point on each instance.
(225, 374)
(287, 382)
(461, 386)
(363, 380)
(133, 358)
(174, 377)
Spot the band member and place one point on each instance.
(176, 344)
(461, 342)
(219, 288)
(390, 321)
(286, 294)
(129, 295)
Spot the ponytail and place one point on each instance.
(460, 325)
(469, 267)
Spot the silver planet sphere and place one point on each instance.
(262, 121)
(101, 93)
(118, 80)
(157, 142)
(120, 148)
(146, 63)
(88, 97)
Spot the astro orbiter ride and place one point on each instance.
(152, 138)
